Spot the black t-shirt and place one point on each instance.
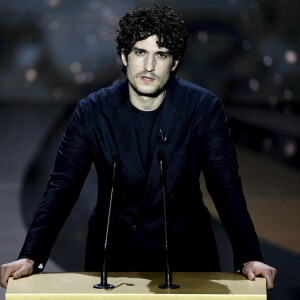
(146, 127)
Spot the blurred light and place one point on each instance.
(54, 25)
(109, 16)
(78, 78)
(91, 39)
(253, 84)
(246, 45)
(31, 75)
(202, 36)
(85, 77)
(290, 148)
(268, 60)
(75, 67)
(88, 76)
(267, 144)
(53, 3)
(277, 78)
(290, 57)
(57, 93)
(288, 94)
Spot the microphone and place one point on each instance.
(162, 136)
(103, 284)
(168, 276)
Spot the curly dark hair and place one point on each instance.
(165, 22)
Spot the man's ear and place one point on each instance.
(175, 64)
(124, 58)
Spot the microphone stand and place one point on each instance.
(168, 276)
(103, 284)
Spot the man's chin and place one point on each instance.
(148, 92)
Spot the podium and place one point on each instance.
(134, 285)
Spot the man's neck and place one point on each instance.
(145, 103)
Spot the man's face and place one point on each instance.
(148, 67)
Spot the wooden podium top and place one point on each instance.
(193, 285)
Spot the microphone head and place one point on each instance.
(160, 155)
(115, 158)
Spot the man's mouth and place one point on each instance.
(147, 78)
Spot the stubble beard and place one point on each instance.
(156, 92)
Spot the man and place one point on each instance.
(150, 111)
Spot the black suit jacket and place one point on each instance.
(198, 139)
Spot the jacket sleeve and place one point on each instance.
(220, 169)
(72, 164)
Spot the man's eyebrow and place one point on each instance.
(163, 52)
(138, 49)
(158, 52)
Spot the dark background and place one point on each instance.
(54, 52)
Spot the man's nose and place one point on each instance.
(149, 63)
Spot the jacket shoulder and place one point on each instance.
(105, 96)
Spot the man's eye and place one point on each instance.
(139, 52)
(162, 55)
